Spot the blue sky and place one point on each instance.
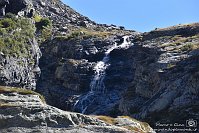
(139, 15)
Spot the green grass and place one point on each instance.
(190, 47)
(183, 44)
(107, 119)
(170, 65)
(44, 28)
(4, 89)
(83, 33)
(15, 35)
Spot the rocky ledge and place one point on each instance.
(26, 111)
(155, 79)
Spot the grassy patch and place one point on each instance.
(15, 35)
(84, 34)
(190, 47)
(5, 105)
(44, 28)
(143, 128)
(170, 65)
(182, 44)
(107, 119)
(4, 89)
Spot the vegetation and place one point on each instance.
(37, 18)
(10, 15)
(44, 28)
(145, 126)
(190, 46)
(170, 65)
(4, 89)
(107, 119)
(135, 128)
(83, 33)
(15, 35)
(4, 105)
(183, 44)
(41, 23)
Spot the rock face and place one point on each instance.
(67, 70)
(22, 111)
(19, 56)
(16, 6)
(154, 79)
(157, 74)
(165, 85)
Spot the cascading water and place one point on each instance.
(97, 83)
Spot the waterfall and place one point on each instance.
(97, 83)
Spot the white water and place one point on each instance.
(97, 83)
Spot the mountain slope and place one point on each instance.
(94, 69)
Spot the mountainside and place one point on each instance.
(106, 73)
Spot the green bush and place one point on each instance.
(187, 47)
(7, 23)
(44, 22)
(37, 18)
(46, 33)
(44, 28)
(10, 15)
(15, 35)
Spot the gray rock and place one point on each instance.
(21, 71)
(28, 113)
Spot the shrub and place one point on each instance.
(10, 15)
(44, 22)
(187, 47)
(37, 18)
(46, 33)
(44, 28)
(15, 35)
(7, 23)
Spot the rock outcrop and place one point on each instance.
(157, 74)
(25, 111)
(19, 53)
(165, 85)
(155, 79)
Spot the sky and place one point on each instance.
(139, 15)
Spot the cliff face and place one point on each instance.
(159, 73)
(19, 54)
(165, 85)
(93, 69)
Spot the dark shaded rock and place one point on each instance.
(16, 6)
(3, 4)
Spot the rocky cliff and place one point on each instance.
(94, 69)
(158, 73)
(26, 111)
